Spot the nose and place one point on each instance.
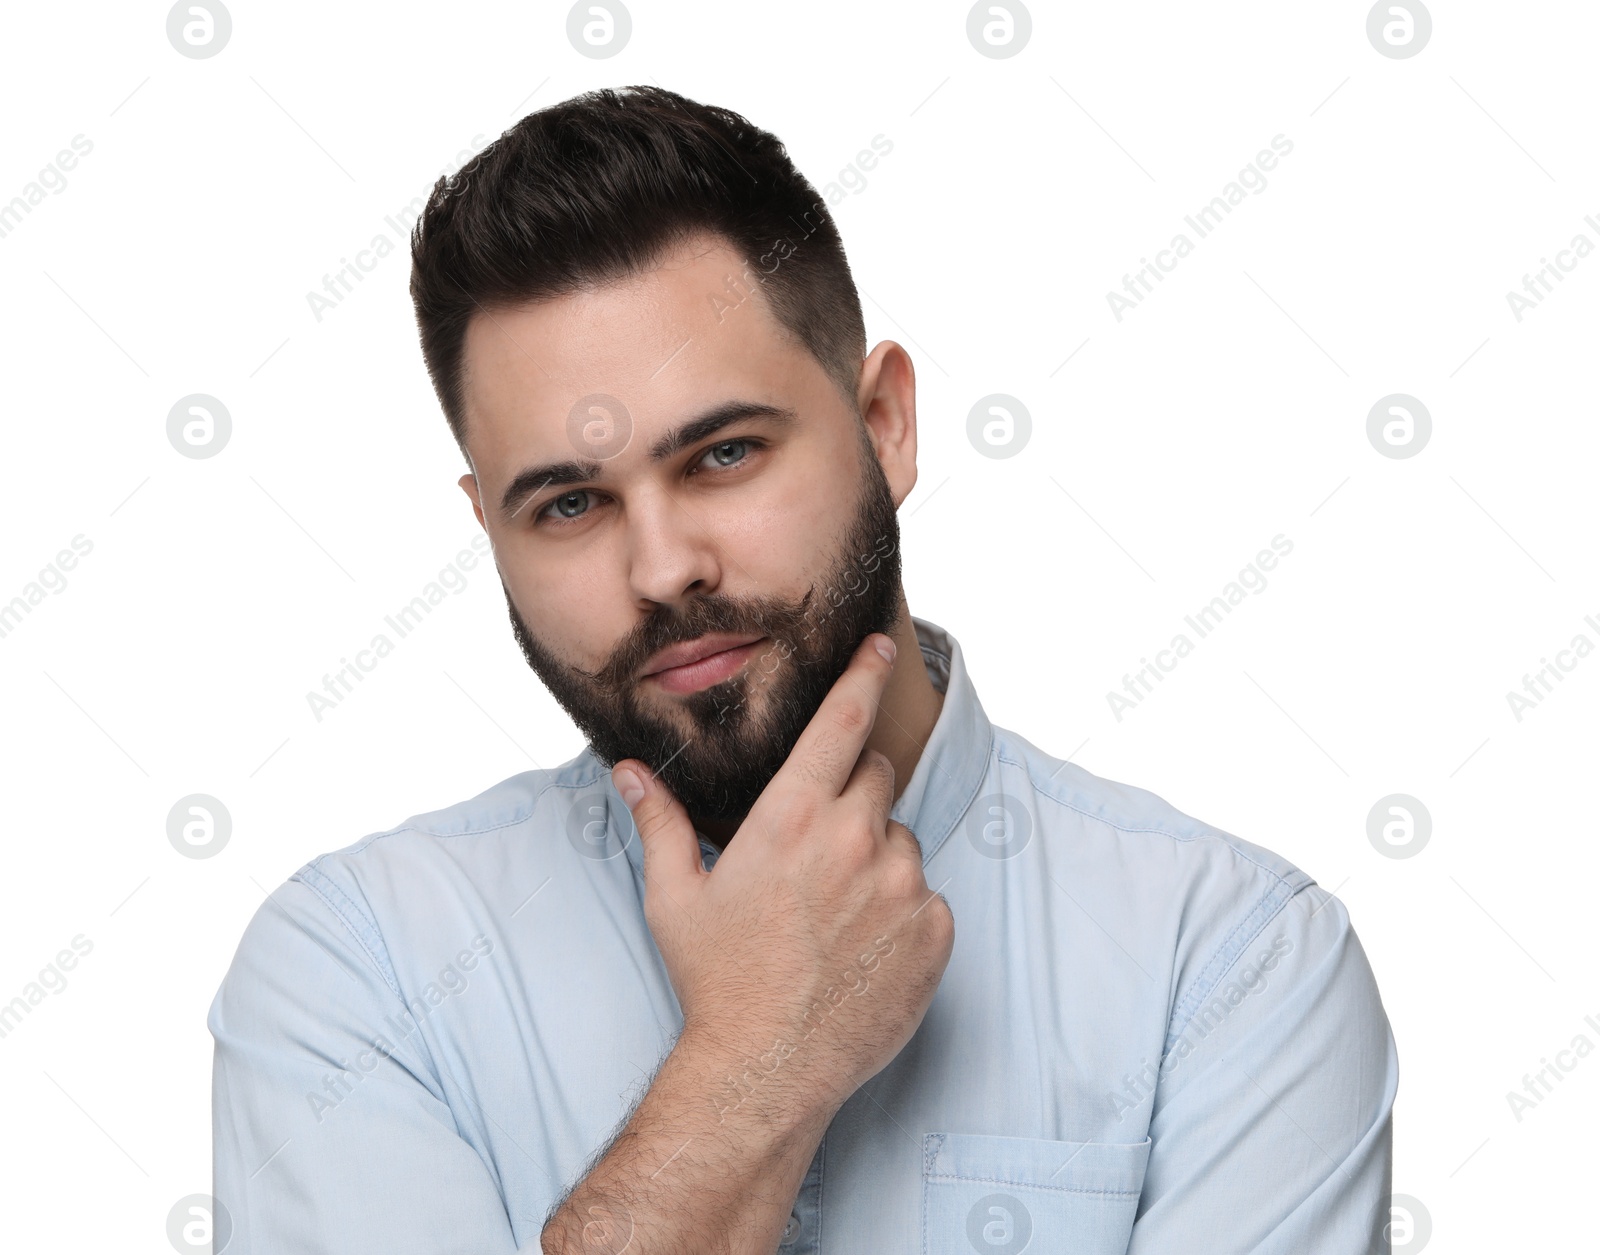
(672, 554)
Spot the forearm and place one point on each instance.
(695, 1171)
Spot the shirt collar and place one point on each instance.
(947, 776)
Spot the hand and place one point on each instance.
(813, 948)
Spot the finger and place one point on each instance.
(671, 849)
(872, 783)
(826, 752)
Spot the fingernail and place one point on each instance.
(627, 782)
(886, 647)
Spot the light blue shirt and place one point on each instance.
(1151, 1037)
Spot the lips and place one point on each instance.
(682, 655)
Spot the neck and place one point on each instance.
(906, 715)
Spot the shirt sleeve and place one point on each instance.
(331, 1132)
(1270, 1127)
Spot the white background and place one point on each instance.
(1229, 407)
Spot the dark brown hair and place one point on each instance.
(597, 188)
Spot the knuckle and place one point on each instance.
(802, 813)
(847, 852)
(902, 878)
(936, 930)
(799, 810)
(851, 717)
(858, 845)
(784, 815)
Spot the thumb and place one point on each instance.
(671, 849)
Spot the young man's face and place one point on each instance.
(770, 538)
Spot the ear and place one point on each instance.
(469, 485)
(888, 401)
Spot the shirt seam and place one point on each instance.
(326, 891)
(1267, 909)
(412, 826)
(325, 888)
(956, 1178)
(347, 911)
(1280, 891)
(1209, 832)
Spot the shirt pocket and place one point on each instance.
(1005, 1195)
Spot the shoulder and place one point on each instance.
(473, 829)
(435, 869)
(1140, 824)
(1202, 902)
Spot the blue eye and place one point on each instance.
(560, 504)
(571, 507)
(716, 450)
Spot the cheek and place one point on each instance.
(577, 609)
(786, 539)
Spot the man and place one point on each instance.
(801, 953)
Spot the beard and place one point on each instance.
(720, 746)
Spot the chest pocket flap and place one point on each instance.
(1006, 1195)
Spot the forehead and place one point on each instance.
(693, 328)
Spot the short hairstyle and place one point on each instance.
(598, 188)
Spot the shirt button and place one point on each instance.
(791, 1231)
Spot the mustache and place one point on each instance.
(766, 616)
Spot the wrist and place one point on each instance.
(753, 1087)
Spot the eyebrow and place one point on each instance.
(535, 479)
